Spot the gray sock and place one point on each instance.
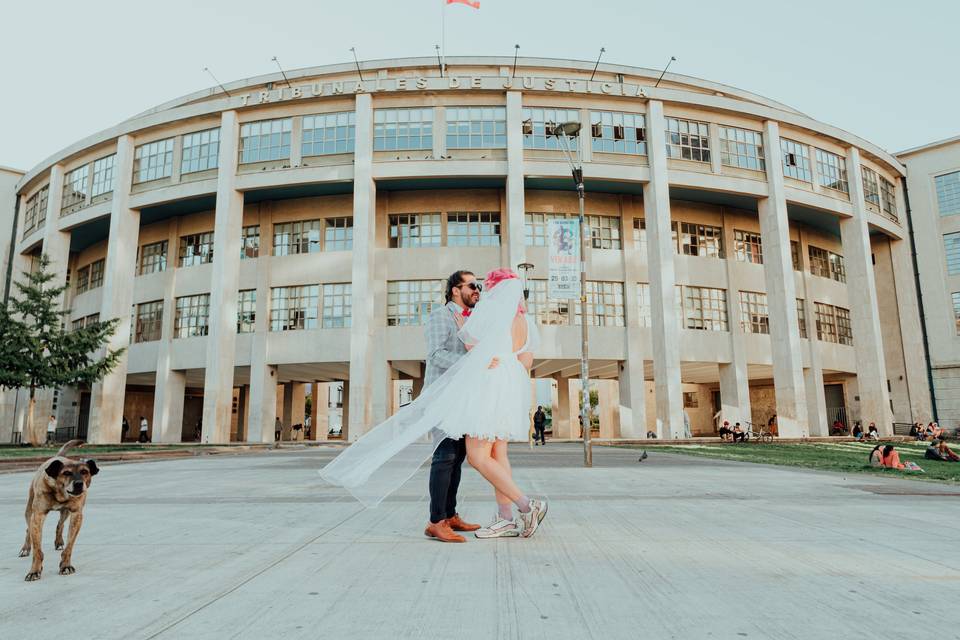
(523, 504)
(505, 510)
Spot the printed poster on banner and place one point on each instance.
(564, 259)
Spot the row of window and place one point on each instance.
(410, 302)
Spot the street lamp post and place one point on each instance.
(564, 132)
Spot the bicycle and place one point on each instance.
(756, 434)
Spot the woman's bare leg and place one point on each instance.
(480, 457)
(499, 453)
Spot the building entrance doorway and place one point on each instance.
(836, 409)
(83, 415)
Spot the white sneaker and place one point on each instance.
(499, 528)
(532, 519)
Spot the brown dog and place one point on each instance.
(60, 484)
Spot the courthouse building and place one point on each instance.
(281, 234)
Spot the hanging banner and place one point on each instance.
(563, 256)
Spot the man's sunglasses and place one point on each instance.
(474, 286)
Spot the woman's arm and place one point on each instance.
(526, 359)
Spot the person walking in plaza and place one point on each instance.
(144, 428)
(478, 393)
(51, 429)
(539, 424)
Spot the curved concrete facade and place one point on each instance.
(730, 272)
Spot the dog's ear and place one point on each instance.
(92, 465)
(54, 468)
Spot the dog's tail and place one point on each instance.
(69, 445)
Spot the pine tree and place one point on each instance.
(36, 350)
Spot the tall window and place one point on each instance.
(480, 229)
(754, 316)
(888, 199)
(302, 236)
(826, 322)
(201, 151)
(83, 279)
(103, 175)
(796, 160)
(640, 236)
(75, 188)
(409, 302)
(328, 133)
(540, 126)
(265, 140)
(338, 234)
(948, 193)
(398, 129)
(415, 230)
(956, 310)
(153, 258)
(246, 311)
(604, 304)
(148, 321)
(250, 242)
(643, 296)
(747, 246)
(196, 249)
(701, 240)
(544, 309)
(617, 132)
(153, 161)
(294, 308)
(819, 261)
(337, 305)
(192, 316)
(97, 268)
(705, 308)
(871, 185)
(795, 255)
(837, 269)
(604, 231)
(844, 330)
(801, 318)
(688, 140)
(36, 213)
(741, 148)
(476, 127)
(832, 171)
(951, 246)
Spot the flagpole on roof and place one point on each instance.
(443, 38)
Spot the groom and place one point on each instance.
(444, 348)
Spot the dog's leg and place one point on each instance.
(25, 549)
(58, 542)
(76, 519)
(36, 533)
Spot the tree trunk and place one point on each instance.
(33, 437)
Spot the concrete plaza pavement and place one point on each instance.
(256, 546)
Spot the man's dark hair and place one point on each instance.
(455, 279)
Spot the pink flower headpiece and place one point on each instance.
(499, 275)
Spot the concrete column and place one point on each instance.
(107, 397)
(632, 403)
(734, 381)
(224, 278)
(781, 294)
(56, 243)
(812, 375)
(439, 132)
(286, 419)
(910, 331)
(665, 326)
(608, 401)
(561, 410)
(263, 391)
(170, 385)
(516, 208)
(321, 410)
(371, 397)
(345, 413)
(864, 316)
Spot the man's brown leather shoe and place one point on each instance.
(457, 524)
(442, 532)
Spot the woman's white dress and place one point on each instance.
(468, 399)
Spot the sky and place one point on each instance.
(888, 71)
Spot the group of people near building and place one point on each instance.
(931, 432)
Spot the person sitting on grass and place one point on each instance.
(725, 430)
(738, 434)
(938, 450)
(837, 429)
(858, 431)
(916, 431)
(937, 431)
(876, 456)
(891, 460)
(872, 433)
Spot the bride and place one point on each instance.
(484, 397)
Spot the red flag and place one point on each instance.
(470, 3)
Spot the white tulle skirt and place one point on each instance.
(493, 404)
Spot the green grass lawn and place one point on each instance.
(86, 451)
(846, 457)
